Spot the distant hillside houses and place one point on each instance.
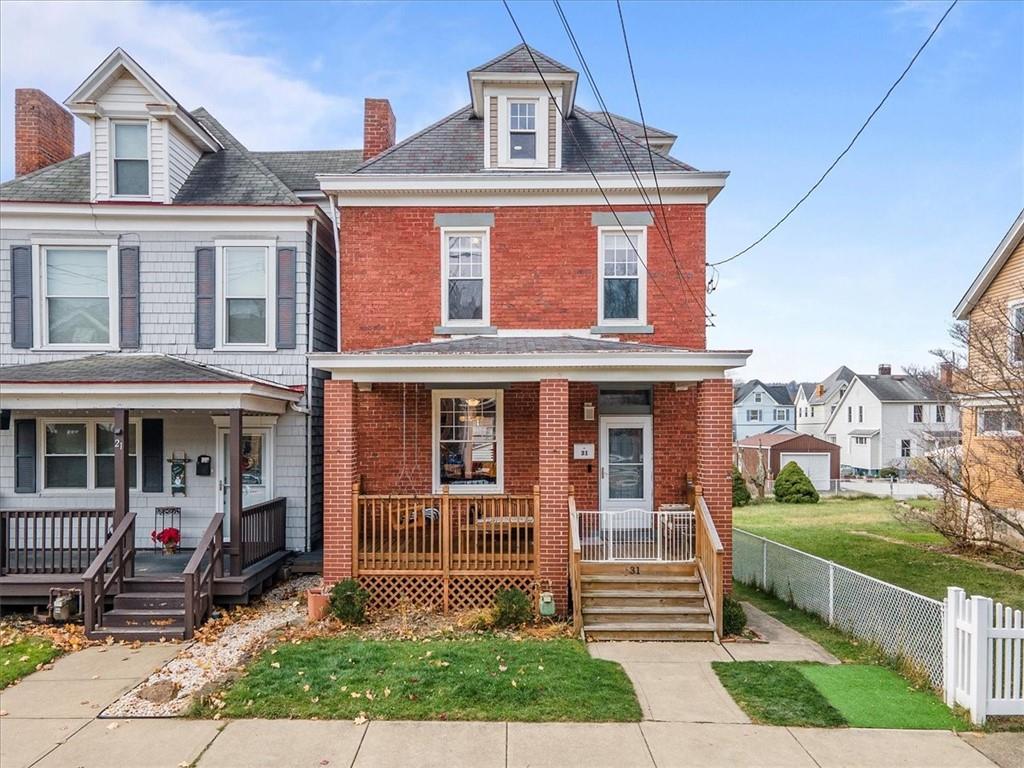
(761, 408)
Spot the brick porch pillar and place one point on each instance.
(339, 475)
(714, 459)
(553, 461)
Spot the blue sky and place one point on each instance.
(867, 271)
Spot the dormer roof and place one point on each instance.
(519, 66)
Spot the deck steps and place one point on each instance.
(147, 609)
(644, 601)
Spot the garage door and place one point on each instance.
(815, 465)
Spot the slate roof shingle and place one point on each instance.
(63, 182)
(298, 169)
(518, 60)
(778, 392)
(518, 345)
(897, 388)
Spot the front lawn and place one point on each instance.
(864, 534)
(20, 656)
(489, 678)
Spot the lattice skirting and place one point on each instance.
(429, 592)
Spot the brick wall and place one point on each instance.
(714, 459)
(340, 463)
(675, 441)
(553, 451)
(44, 132)
(543, 273)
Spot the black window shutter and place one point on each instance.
(25, 456)
(286, 279)
(152, 455)
(206, 293)
(129, 279)
(21, 296)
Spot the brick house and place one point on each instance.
(523, 395)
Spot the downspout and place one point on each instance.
(337, 270)
(310, 315)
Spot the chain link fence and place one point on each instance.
(902, 623)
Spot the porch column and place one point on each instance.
(553, 464)
(714, 460)
(235, 489)
(121, 464)
(340, 462)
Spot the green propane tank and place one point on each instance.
(547, 604)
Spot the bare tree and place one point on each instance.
(982, 479)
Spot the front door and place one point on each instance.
(256, 471)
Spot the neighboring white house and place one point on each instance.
(885, 420)
(815, 402)
(759, 407)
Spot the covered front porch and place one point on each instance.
(454, 469)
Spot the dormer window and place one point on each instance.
(522, 117)
(131, 159)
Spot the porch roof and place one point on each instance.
(148, 381)
(488, 359)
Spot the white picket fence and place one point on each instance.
(972, 650)
(984, 656)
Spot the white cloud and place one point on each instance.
(203, 58)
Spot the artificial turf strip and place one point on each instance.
(461, 679)
(776, 693)
(21, 658)
(876, 697)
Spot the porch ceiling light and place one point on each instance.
(472, 402)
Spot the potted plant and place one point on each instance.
(317, 601)
(170, 538)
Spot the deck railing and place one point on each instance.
(199, 577)
(114, 563)
(444, 534)
(263, 530)
(51, 540)
(664, 535)
(710, 559)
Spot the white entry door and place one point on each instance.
(626, 453)
(257, 474)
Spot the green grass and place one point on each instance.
(855, 695)
(863, 534)
(21, 658)
(876, 697)
(776, 693)
(465, 679)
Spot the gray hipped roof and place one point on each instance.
(898, 388)
(777, 392)
(298, 170)
(63, 182)
(518, 60)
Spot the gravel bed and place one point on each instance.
(210, 659)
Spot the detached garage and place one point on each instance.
(818, 458)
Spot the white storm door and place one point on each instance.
(626, 454)
(257, 472)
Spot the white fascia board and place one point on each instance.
(25, 397)
(564, 81)
(180, 389)
(988, 273)
(154, 217)
(185, 123)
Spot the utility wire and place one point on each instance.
(848, 146)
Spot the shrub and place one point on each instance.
(734, 618)
(887, 472)
(792, 486)
(512, 607)
(348, 601)
(740, 492)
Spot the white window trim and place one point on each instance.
(223, 345)
(435, 431)
(912, 419)
(1012, 307)
(112, 139)
(542, 99)
(485, 236)
(251, 425)
(784, 414)
(641, 274)
(754, 415)
(39, 309)
(90, 455)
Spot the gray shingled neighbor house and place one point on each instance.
(160, 294)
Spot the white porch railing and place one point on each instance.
(665, 536)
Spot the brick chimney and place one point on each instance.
(44, 132)
(819, 391)
(378, 127)
(884, 369)
(946, 374)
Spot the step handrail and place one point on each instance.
(197, 606)
(575, 559)
(96, 582)
(710, 559)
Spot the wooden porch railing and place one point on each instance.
(445, 534)
(263, 530)
(51, 540)
(199, 578)
(710, 558)
(575, 560)
(114, 563)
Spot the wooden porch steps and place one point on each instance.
(644, 601)
(148, 609)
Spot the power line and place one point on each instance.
(848, 146)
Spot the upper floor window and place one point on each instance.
(917, 414)
(465, 266)
(849, 414)
(754, 415)
(940, 414)
(246, 287)
(812, 411)
(860, 414)
(860, 441)
(78, 305)
(522, 126)
(757, 397)
(999, 420)
(1017, 333)
(622, 297)
(905, 449)
(131, 159)
(781, 414)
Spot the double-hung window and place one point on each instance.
(131, 159)
(849, 414)
(917, 414)
(940, 414)
(467, 426)
(465, 267)
(1016, 332)
(781, 414)
(79, 454)
(522, 130)
(905, 449)
(754, 414)
(78, 307)
(246, 284)
(860, 414)
(622, 295)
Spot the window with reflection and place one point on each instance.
(468, 434)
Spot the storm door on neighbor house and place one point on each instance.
(256, 469)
